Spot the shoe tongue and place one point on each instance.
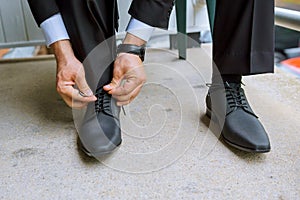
(99, 90)
(233, 85)
(110, 103)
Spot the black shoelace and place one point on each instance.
(235, 96)
(103, 102)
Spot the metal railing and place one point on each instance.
(287, 18)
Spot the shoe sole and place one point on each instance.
(209, 115)
(99, 154)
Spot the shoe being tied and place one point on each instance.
(241, 128)
(100, 131)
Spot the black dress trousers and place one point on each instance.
(243, 36)
(90, 23)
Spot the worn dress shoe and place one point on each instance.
(99, 131)
(241, 128)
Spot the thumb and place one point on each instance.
(115, 82)
(83, 86)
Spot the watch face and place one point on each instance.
(288, 4)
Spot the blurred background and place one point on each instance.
(21, 38)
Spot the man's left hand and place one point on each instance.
(128, 78)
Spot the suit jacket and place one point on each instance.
(90, 22)
(153, 12)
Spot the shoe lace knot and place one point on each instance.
(235, 96)
(103, 102)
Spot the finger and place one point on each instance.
(122, 103)
(73, 104)
(82, 84)
(113, 84)
(75, 95)
(135, 93)
(79, 105)
(129, 96)
(127, 87)
(116, 80)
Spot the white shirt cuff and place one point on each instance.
(54, 29)
(140, 29)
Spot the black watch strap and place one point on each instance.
(133, 49)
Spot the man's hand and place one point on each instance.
(129, 74)
(70, 73)
(128, 78)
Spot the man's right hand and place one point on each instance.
(70, 72)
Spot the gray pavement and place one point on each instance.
(168, 151)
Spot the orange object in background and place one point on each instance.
(3, 52)
(292, 61)
(292, 64)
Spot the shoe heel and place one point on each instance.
(211, 116)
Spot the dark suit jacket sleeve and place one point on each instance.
(43, 9)
(152, 12)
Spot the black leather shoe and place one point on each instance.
(83, 149)
(100, 131)
(241, 128)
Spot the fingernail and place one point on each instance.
(88, 93)
(107, 86)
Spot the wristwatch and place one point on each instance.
(133, 49)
